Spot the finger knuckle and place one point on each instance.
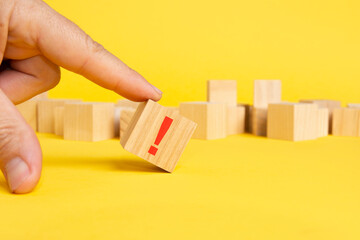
(94, 46)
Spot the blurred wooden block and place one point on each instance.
(353, 105)
(117, 119)
(235, 120)
(323, 122)
(125, 119)
(44, 95)
(266, 92)
(210, 118)
(259, 121)
(45, 114)
(28, 110)
(248, 113)
(117, 113)
(127, 104)
(329, 104)
(158, 135)
(346, 122)
(59, 120)
(85, 121)
(292, 121)
(222, 91)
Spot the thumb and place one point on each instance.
(20, 152)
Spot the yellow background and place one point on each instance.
(241, 187)
(313, 46)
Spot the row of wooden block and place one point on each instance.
(287, 121)
(77, 120)
(294, 116)
(138, 124)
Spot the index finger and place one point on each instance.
(65, 44)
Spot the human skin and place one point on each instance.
(35, 41)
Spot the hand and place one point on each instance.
(34, 41)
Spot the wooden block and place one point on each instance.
(127, 104)
(45, 114)
(210, 118)
(28, 110)
(85, 121)
(44, 95)
(353, 105)
(266, 92)
(175, 109)
(329, 104)
(258, 121)
(117, 113)
(292, 121)
(248, 114)
(235, 120)
(158, 135)
(117, 117)
(346, 122)
(125, 115)
(59, 120)
(125, 119)
(323, 122)
(222, 91)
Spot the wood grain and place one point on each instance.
(222, 91)
(266, 92)
(211, 118)
(292, 121)
(88, 121)
(144, 128)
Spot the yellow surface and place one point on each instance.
(241, 187)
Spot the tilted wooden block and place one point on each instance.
(292, 121)
(210, 118)
(235, 120)
(86, 121)
(59, 120)
(323, 103)
(323, 122)
(45, 113)
(158, 135)
(28, 110)
(353, 105)
(259, 121)
(175, 109)
(346, 122)
(127, 104)
(266, 92)
(127, 114)
(125, 119)
(222, 91)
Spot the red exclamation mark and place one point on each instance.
(163, 129)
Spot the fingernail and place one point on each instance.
(157, 90)
(17, 171)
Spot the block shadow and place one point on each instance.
(131, 165)
(103, 164)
